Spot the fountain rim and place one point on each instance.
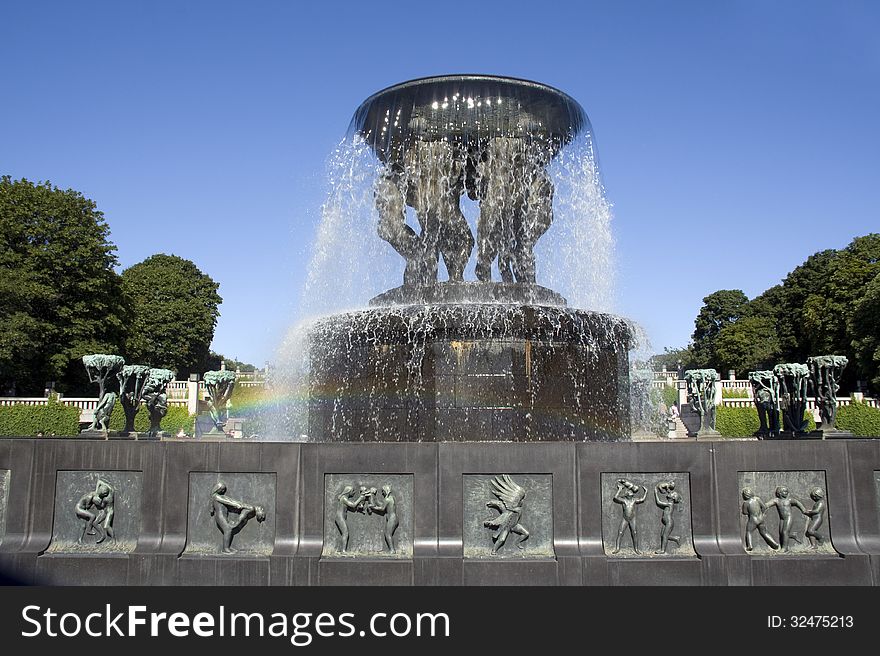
(471, 77)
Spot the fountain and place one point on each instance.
(469, 426)
(467, 360)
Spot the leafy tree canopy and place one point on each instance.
(60, 298)
(671, 357)
(830, 304)
(216, 359)
(720, 309)
(746, 345)
(174, 313)
(864, 329)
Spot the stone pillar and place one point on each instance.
(192, 394)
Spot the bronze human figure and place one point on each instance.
(223, 506)
(103, 412)
(155, 398)
(825, 373)
(783, 502)
(516, 206)
(791, 380)
(626, 497)
(101, 369)
(346, 502)
(701, 395)
(815, 517)
(386, 506)
(218, 390)
(132, 381)
(667, 520)
(430, 180)
(754, 509)
(766, 395)
(96, 508)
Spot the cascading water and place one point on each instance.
(469, 179)
(575, 256)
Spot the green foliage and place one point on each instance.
(215, 360)
(744, 422)
(830, 304)
(827, 306)
(29, 420)
(60, 297)
(720, 309)
(734, 393)
(863, 329)
(669, 395)
(671, 357)
(175, 310)
(252, 403)
(860, 419)
(828, 312)
(736, 422)
(747, 345)
(786, 305)
(178, 417)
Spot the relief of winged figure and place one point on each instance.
(510, 507)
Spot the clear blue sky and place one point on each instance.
(735, 138)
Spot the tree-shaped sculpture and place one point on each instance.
(219, 385)
(791, 381)
(824, 374)
(155, 398)
(701, 395)
(766, 396)
(132, 380)
(100, 368)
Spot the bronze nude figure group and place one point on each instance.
(507, 176)
(755, 510)
(231, 515)
(366, 500)
(96, 508)
(630, 495)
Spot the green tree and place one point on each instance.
(719, 309)
(232, 364)
(864, 329)
(830, 304)
(174, 313)
(828, 312)
(747, 345)
(673, 359)
(799, 289)
(60, 297)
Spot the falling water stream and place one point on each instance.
(488, 150)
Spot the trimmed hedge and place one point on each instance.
(860, 419)
(744, 422)
(60, 420)
(734, 393)
(29, 420)
(252, 403)
(669, 394)
(178, 417)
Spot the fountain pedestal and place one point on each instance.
(469, 372)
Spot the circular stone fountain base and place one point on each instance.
(469, 292)
(469, 372)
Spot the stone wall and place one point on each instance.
(435, 500)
